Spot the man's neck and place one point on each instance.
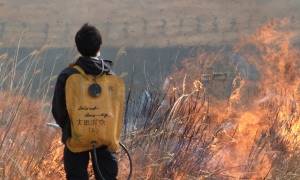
(96, 58)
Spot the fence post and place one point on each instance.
(2, 29)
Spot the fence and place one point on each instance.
(138, 32)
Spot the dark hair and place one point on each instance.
(88, 40)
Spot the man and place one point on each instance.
(88, 41)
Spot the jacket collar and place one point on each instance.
(94, 66)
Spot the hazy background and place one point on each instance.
(139, 23)
(154, 35)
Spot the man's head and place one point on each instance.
(88, 40)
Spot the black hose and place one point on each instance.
(129, 158)
(97, 165)
(96, 162)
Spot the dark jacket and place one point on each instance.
(59, 109)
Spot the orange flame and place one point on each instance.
(277, 61)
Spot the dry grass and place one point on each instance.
(183, 140)
(23, 132)
(23, 135)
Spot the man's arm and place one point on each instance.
(59, 110)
